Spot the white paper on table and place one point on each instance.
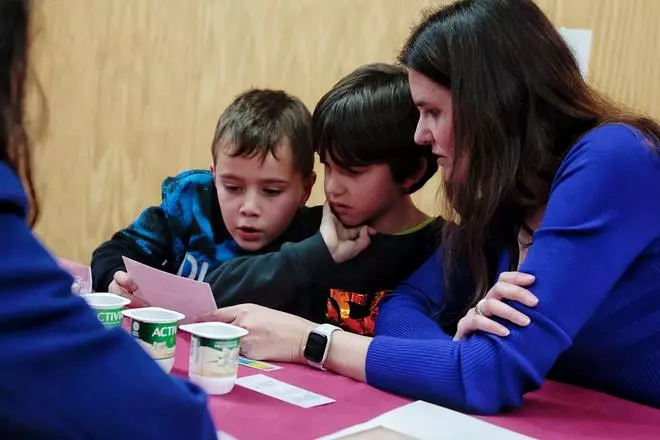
(425, 421)
(162, 289)
(579, 40)
(283, 391)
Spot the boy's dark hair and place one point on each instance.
(368, 118)
(258, 121)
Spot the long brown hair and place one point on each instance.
(14, 143)
(520, 103)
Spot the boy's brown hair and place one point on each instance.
(258, 121)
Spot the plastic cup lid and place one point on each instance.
(105, 300)
(214, 330)
(156, 315)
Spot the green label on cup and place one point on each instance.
(213, 358)
(229, 344)
(158, 339)
(110, 317)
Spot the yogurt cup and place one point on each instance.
(155, 330)
(107, 306)
(214, 350)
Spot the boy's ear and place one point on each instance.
(415, 178)
(212, 168)
(308, 186)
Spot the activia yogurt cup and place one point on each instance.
(155, 330)
(107, 306)
(214, 349)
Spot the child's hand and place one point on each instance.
(123, 285)
(511, 286)
(343, 243)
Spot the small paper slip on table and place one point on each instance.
(283, 391)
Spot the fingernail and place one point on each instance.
(529, 277)
(526, 322)
(506, 332)
(535, 301)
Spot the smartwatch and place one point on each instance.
(318, 345)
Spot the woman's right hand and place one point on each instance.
(510, 286)
(124, 286)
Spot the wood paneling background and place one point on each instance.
(133, 88)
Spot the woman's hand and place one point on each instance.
(274, 335)
(511, 286)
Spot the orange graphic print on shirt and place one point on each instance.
(354, 312)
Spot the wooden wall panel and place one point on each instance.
(626, 44)
(134, 88)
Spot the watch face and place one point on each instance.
(315, 347)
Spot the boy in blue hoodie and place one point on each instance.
(251, 202)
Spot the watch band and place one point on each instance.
(324, 330)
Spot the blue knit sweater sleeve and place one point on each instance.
(599, 206)
(408, 311)
(63, 375)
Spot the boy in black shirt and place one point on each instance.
(363, 130)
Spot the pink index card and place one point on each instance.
(162, 289)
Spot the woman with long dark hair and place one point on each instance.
(63, 374)
(556, 191)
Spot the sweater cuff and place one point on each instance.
(379, 370)
(409, 367)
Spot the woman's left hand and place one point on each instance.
(510, 286)
(274, 335)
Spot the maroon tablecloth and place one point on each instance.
(557, 411)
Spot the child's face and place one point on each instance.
(363, 196)
(258, 200)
